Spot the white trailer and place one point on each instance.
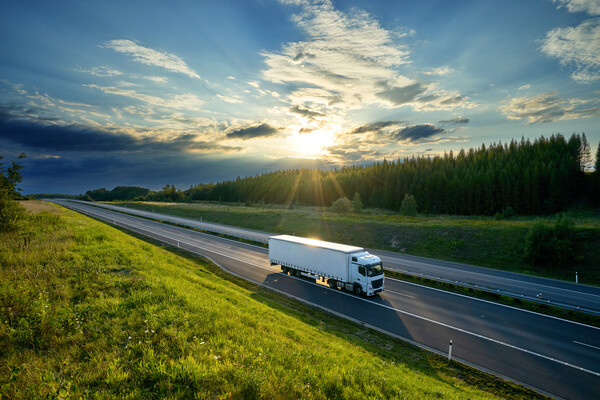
(348, 267)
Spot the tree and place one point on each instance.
(357, 203)
(10, 210)
(342, 206)
(585, 155)
(409, 205)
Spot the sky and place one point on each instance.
(148, 93)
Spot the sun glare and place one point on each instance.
(313, 144)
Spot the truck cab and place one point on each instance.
(367, 273)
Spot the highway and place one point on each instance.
(557, 357)
(558, 293)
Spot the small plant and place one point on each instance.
(342, 206)
(550, 245)
(409, 205)
(357, 203)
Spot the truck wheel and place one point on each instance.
(357, 290)
(297, 273)
(332, 283)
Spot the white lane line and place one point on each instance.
(430, 267)
(398, 293)
(585, 344)
(491, 302)
(419, 317)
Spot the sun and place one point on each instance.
(313, 144)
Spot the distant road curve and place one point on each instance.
(555, 292)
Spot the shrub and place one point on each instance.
(409, 205)
(357, 203)
(550, 245)
(342, 206)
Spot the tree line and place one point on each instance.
(547, 175)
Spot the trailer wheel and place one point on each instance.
(332, 283)
(357, 290)
(297, 273)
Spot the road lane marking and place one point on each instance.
(585, 344)
(392, 308)
(491, 302)
(401, 294)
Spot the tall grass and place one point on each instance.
(89, 311)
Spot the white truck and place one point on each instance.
(347, 267)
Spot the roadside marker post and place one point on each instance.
(576, 277)
(450, 351)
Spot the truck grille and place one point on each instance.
(377, 283)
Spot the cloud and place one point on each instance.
(229, 99)
(305, 112)
(101, 71)
(148, 56)
(418, 133)
(524, 87)
(251, 132)
(375, 127)
(178, 101)
(546, 107)
(349, 61)
(439, 71)
(402, 95)
(457, 120)
(578, 46)
(77, 138)
(592, 7)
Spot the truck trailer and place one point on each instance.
(342, 266)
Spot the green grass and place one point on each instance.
(89, 311)
(482, 241)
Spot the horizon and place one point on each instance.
(112, 94)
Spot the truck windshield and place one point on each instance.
(374, 269)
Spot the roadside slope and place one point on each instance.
(88, 309)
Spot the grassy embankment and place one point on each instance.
(482, 241)
(87, 310)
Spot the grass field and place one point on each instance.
(482, 241)
(89, 311)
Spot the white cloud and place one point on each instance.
(592, 7)
(524, 87)
(186, 101)
(348, 61)
(546, 107)
(229, 99)
(579, 47)
(440, 71)
(148, 56)
(102, 71)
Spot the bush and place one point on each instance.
(550, 245)
(357, 203)
(409, 205)
(342, 206)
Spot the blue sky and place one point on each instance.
(107, 93)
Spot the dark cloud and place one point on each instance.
(401, 95)
(63, 138)
(457, 120)
(262, 130)
(305, 112)
(84, 139)
(418, 133)
(375, 126)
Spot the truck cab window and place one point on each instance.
(361, 270)
(354, 259)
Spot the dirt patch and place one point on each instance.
(36, 206)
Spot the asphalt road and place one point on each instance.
(557, 357)
(555, 292)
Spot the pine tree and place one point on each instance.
(585, 155)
